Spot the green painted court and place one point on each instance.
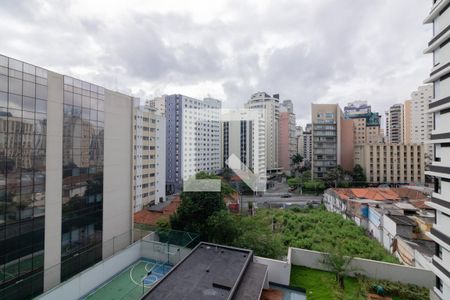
(132, 282)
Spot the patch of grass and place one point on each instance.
(322, 285)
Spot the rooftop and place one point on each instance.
(154, 214)
(212, 271)
(379, 194)
(402, 220)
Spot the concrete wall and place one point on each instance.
(53, 183)
(279, 271)
(370, 268)
(84, 282)
(117, 204)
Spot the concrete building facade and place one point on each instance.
(395, 124)
(193, 138)
(439, 46)
(66, 147)
(271, 107)
(149, 161)
(392, 163)
(287, 146)
(300, 140)
(332, 138)
(307, 144)
(366, 123)
(418, 122)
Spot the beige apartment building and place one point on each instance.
(418, 122)
(366, 123)
(395, 125)
(148, 157)
(392, 163)
(332, 138)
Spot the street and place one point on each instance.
(272, 198)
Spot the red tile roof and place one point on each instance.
(152, 217)
(379, 194)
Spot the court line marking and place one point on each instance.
(131, 277)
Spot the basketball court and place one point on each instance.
(133, 282)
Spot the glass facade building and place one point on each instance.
(23, 127)
(53, 223)
(82, 191)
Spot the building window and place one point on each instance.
(438, 251)
(82, 191)
(439, 284)
(23, 136)
(437, 185)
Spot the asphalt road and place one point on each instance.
(272, 198)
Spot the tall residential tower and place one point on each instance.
(439, 45)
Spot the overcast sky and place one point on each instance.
(323, 51)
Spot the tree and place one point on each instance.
(337, 263)
(294, 182)
(359, 177)
(296, 160)
(227, 173)
(335, 175)
(197, 207)
(222, 228)
(306, 176)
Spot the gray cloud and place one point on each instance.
(308, 51)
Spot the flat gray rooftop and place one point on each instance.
(210, 271)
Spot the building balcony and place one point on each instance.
(439, 237)
(440, 270)
(440, 104)
(439, 71)
(435, 10)
(438, 171)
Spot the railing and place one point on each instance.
(22, 280)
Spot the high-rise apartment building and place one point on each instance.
(158, 103)
(193, 138)
(392, 163)
(356, 108)
(332, 138)
(366, 123)
(439, 45)
(243, 135)
(300, 140)
(418, 122)
(395, 124)
(307, 144)
(271, 107)
(66, 148)
(287, 146)
(149, 175)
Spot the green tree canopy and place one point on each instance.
(359, 177)
(197, 207)
(334, 176)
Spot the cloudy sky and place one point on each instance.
(323, 51)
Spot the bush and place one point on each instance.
(294, 182)
(314, 185)
(396, 289)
